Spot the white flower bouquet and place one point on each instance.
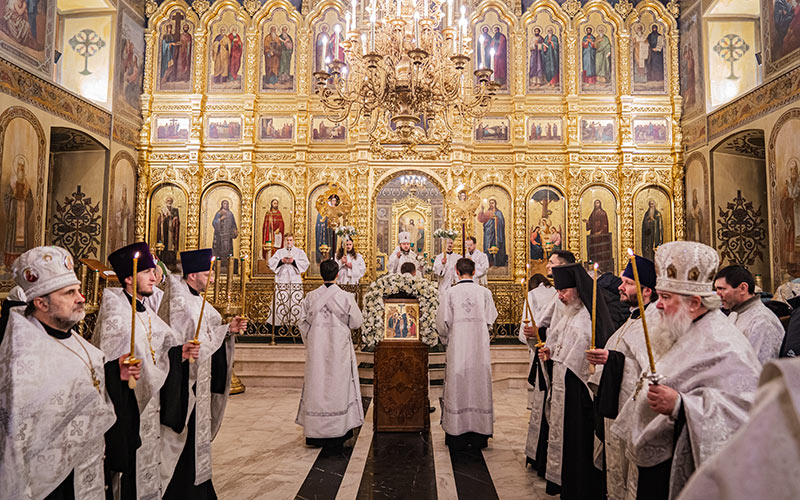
(346, 231)
(425, 291)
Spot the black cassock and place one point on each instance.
(653, 481)
(537, 379)
(173, 415)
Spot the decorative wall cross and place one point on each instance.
(76, 225)
(731, 48)
(86, 43)
(741, 232)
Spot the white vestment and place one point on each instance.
(446, 273)
(112, 334)
(395, 262)
(543, 302)
(289, 285)
(621, 475)
(351, 275)
(53, 419)
(762, 459)
(330, 404)
(154, 301)
(568, 341)
(481, 261)
(466, 311)
(761, 327)
(181, 310)
(715, 371)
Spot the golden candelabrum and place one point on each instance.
(405, 64)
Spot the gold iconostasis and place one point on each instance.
(581, 149)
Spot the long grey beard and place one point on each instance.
(668, 329)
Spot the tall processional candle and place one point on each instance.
(131, 359)
(196, 340)
(244, 284)
(641, 313)
(594, 313)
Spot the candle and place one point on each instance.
(416, 27)
(372, 29)
(641, 312)
(355, 22)
(399, 8)
(594, 313)
(228, 279)
(322, 54)
(336, 30)
(364, 44)
(133, 304)
(449, 13)
(243, 271)
(347, 19)
(424, 8)
(527, 316)
(196, 340)
(491, 59)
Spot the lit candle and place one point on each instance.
(424, 8)
(641, 312)
(491, 58)
(399, 8)
(372, 29)
(463, 29)
(355, 22)
(244, 284)
(347, 18)
(449, 13)
(336, 30)
(131, 360)
(196, 340)
(364, 44)
(594, 313)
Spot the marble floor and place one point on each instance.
(261, 453)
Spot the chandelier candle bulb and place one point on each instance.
(355, 18)
(364, 44)
(347, 18)
(449, 13)
(336, 30)
(641, 314)
(399, 8)
(424, 8)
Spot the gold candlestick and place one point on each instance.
(196, 340)
(653, 376)
(594, 314)
(131, 359)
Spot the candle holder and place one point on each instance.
(322, 77)
(417, 55)
(460, 61)
(131, 361)
(372, 60)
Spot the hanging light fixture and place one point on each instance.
(404, 72)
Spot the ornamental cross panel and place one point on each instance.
(76, 225)
(741, 232)
(86, 43)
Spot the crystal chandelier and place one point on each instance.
(404, 72)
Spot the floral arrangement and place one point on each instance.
(389, 284)
(346, 231)
(445, 233)
(424, 263)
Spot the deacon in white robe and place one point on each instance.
(570, 451)
(480, 259)
(288, 264)
(762, 459)
(546, 313)
(58, 393)
(735, 287)
(708, 377)
(402, 254)
(154, 339)
(619, 367)
(444, 267)
(465, 313)
(330, 404)
(351, 264)
(186, 456)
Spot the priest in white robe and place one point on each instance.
(465, 314)
(58, 393)
(708, 374)
(736, 288)
(402, 253)
(186, 442)
(480, 259)
(444, 267)
(154, 340)
(619, 367)
(570, 452)
(288, 264)
(545, 314)
(351, 264)
(762, 459)
(330, 404)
